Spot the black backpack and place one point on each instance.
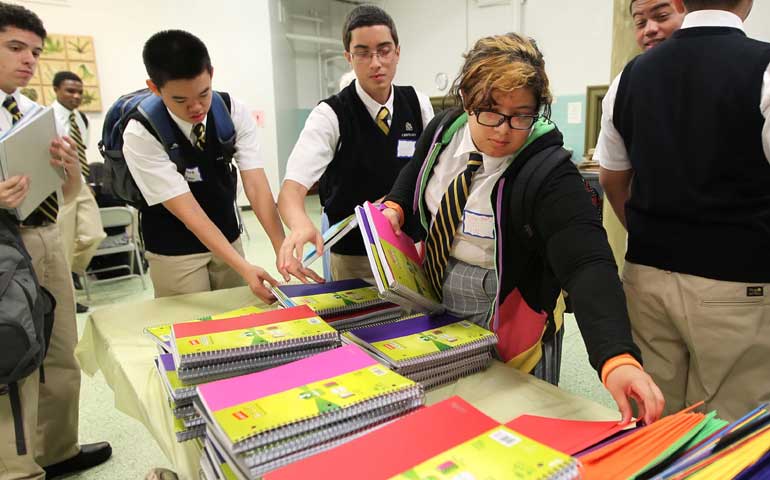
(26, 320)
(117, 179)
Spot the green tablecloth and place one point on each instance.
(113, 342)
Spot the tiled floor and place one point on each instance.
(134, 450)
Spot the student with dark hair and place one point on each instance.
(462, 194)
(692, 119)
(79, 221)
(191, 227)
(353, 143)
(49, 408)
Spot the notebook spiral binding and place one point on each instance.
(412, 364)
(230, 354)
(441, 379)
(218, 371)
(268, 453)
(193, 421)
(484, 356)
(349, 308)
(185, 411)
(191, 433)
(310, 423)
(343, 326)
(569, 471)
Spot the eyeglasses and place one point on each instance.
(383, 53)
(519, 121)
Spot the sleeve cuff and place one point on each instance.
(617, 361)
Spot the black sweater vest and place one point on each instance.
(366, 162)
(688, 111)
(212, 180)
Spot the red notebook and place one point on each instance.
(566, 436)
(190, 329)
(396, 447)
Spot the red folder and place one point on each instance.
(396, 447)
(567, 436)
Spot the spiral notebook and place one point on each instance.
(422, 342)
(198, 344)
(161, 334)
(260, 418)
(396, 266)
(332, 298)
(178, 392)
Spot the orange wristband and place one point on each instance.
(615, 362)
(398, 210)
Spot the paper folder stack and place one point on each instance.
(261, 421)
(433, 350)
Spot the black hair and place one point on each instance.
(65, 75)
(21, 18)
(175, 55)
(367, 16)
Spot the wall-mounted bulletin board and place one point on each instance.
(66, 52)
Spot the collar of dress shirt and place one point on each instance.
(373, 106)
(184, 126)
(62, 112)
(467, 146)
(712, 18)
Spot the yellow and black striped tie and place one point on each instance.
(199, 130)
(447, 221)
(382, 120)
(78, 137)
(50, 206)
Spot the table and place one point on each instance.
(113, 342)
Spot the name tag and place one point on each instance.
(478, 224)
(193, 175)
(405, 148)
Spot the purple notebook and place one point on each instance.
(168, 362)
(305, 290)
(402, 328)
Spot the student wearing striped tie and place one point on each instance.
(468, 206)
(353, 143)
(50, 408)
(79, 221)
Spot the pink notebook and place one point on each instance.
(235, 391)
(385, 232)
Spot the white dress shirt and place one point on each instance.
(474, 240)
(63, 126)
(318, 140)
(611, 151)
(156, 175)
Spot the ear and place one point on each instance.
(679, 6)
(349, 58)
(153, 88)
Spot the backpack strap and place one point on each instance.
(154, 112)
(527, 185)
(84, 118)
(18, 418)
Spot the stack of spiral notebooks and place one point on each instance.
(264, 420)
(433, 350)
(215, 349)
(448, 440)
(344, 304)
(188, 424)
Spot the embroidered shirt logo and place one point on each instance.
(408, 127)
(755, 291)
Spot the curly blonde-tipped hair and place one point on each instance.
(502, 63)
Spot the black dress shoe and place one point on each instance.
(80, 308)
(90, 455)
(76, 281)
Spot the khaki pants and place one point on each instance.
(81, 229)
(50, 409)
(701, 339)
(351, 266)
(199, 272)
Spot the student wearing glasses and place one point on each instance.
(353, 143)
(458, 195)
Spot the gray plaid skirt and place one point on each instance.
(469, 293)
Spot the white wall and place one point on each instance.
(284, 84)
(758, 23)
(575, 37)
(239, 46)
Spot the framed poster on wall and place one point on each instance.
(594, 96)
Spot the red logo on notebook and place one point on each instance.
(195, 342)
(240, 415)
